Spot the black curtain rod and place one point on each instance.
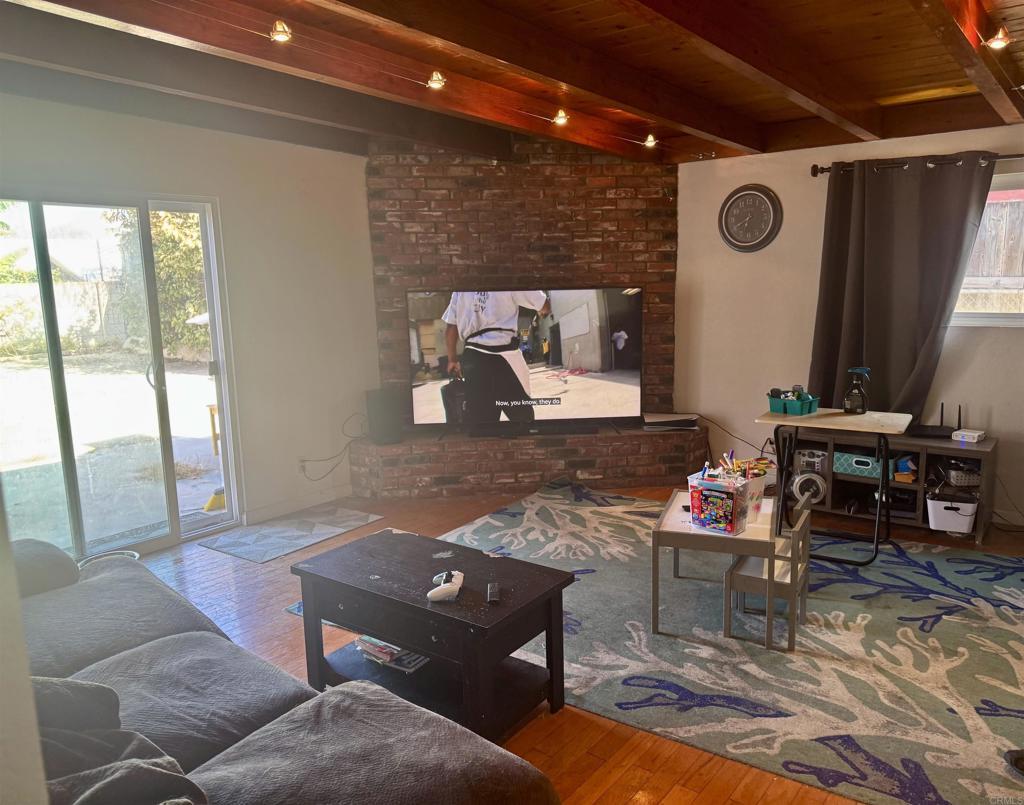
(817, 170)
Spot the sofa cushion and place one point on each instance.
(41, 566)
(359, 743)
(196, 694)
(116, 605)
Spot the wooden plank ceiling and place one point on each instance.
(708, 78)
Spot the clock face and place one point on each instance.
(750, 218)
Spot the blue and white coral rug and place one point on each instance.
(907, 681)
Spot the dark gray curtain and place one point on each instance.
(897, 244)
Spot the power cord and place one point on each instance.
(724, 429)
(334, 466)
(1006, 492)
(1012, 527)
(337, 457)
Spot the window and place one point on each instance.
(992, 293)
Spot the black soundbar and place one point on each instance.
(512, 430)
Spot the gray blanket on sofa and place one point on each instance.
(100, 767)
(89, 760)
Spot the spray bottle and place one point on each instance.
(856, 399)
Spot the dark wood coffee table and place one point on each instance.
(378, 586)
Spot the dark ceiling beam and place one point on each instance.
(468, 28)
(285, 107)
(236, 31)
(694, 149)
(736, 39)
(909, 120)
(953, 114)
(17, 78)
(962, 26)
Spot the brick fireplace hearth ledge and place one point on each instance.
(425, 465)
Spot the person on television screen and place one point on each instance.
(492, 363)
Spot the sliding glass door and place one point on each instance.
(112, 419)
(192, 358)
(107, 353)
(31, 471)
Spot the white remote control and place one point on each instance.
(449, 585)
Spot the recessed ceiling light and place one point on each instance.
(436, 80)
(1000, 40)
(280, 32)
(560, 118)
(650, 142)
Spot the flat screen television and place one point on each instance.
(490, 359)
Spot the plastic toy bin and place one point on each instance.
(951, 512)
(793, 407)
(719, 504)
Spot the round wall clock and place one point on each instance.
(750, 218)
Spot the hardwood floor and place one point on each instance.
(590, 759)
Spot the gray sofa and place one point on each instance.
(233, 726)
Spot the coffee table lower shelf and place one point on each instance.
(519, 687)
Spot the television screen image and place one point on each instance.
(482, 357)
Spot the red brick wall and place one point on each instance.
(423, 466)
(557, 215)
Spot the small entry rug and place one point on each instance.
(282, 535)
(906, 685)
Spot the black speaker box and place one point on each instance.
(385, 412)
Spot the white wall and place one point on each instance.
(744, 322)
(21, 761)
(295, 243)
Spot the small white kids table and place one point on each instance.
(676, 530)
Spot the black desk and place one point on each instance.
(880, 424)
(378, 586)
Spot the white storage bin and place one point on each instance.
(951, 515)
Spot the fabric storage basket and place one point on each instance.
(855, 464)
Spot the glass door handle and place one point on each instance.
(149, 376)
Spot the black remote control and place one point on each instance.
(493, 592)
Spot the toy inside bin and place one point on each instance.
(719, 503)
(808, 405)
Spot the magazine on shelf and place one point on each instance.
(390, 656)
(407, 663)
